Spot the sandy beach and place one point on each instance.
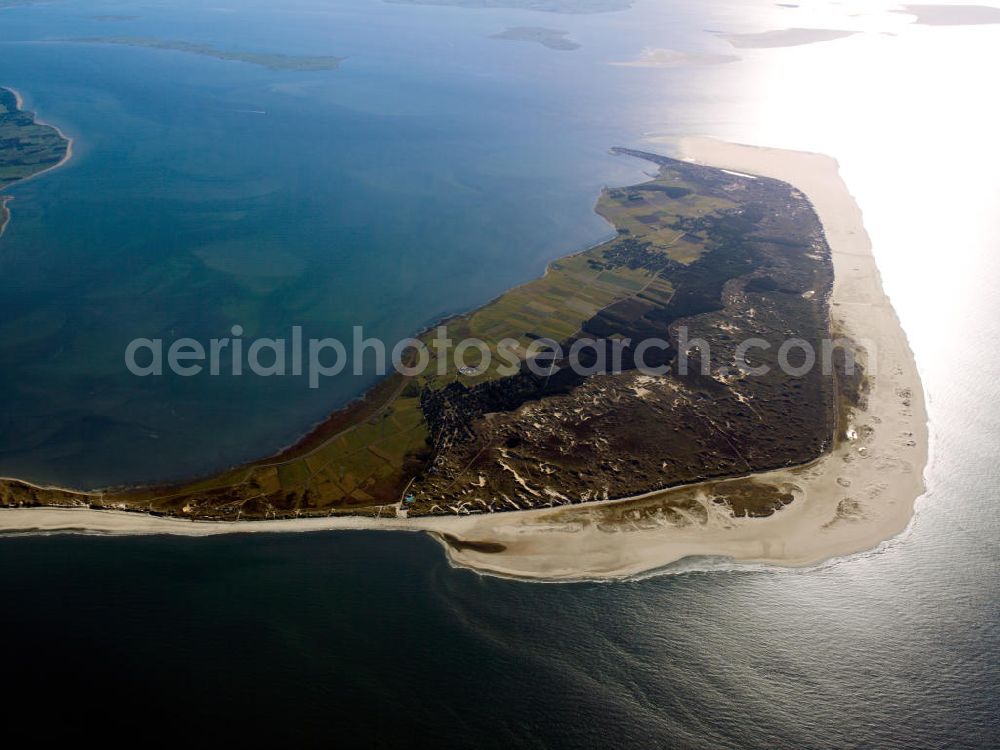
(69, 141)
(846, 502)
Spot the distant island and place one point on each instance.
(550, 38)
(785, 38)
(27, 147)
(545, 6)
(953, 15)
(272, 61)
(727, 256)
(112, 18)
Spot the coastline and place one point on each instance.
(5, 199)
(847, 501)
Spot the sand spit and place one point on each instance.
(846, 502)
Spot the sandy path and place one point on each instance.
(848, 501)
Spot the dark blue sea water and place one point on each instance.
(434, 169)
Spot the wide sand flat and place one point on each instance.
(848, 501)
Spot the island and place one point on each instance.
(562, 473)
(551, 38)
(542, 6)
(658, 57)
(27, 147)
(721, 256)
(952, 15)
(270, 60)
(785, 38)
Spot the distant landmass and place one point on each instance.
(550, 38)
(273, 61)
(953, 15)
(27, 147)
(785, 37)
(546, 6)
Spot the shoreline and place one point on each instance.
(5, 199)
(849, 500)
